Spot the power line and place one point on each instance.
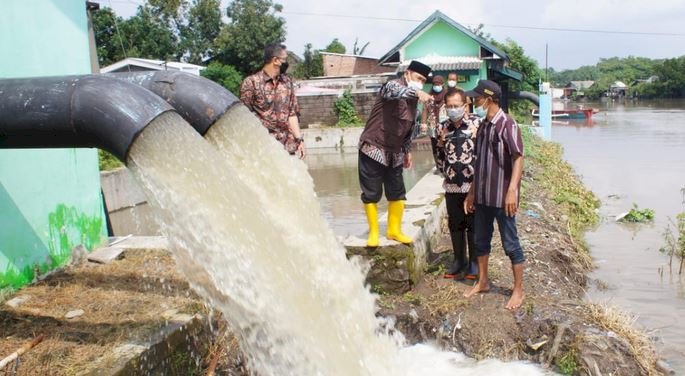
(495, 25)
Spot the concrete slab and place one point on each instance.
(105, 255)
(396, 266)
(153, 356)
(139, 242)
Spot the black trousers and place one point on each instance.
(374, 177)
(461, 232)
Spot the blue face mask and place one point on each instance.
(480, 111)
(437, 88)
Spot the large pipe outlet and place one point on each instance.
(75, 111)
(201, 102)
(526, 95)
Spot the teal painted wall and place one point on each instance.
(49, 198)
(441, 39)
(444, 40)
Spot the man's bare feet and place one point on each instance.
(516, 299)
(480, 287)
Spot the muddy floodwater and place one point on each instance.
(337, 185)
(634, 152)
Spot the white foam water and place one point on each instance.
(244, 226)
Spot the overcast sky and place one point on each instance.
(566, 49)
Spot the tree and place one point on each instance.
(531, 75)
(359, 51)
(312, 66)
(224, 75)
(202, 28)
(335, 47)
(106, 38)
(147, 36)
(253, 25)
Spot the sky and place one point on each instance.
(348, 20)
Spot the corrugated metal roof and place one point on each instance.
(446, 63)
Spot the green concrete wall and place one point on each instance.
(50, 199)
(443, 39)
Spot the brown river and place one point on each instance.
(633, 153)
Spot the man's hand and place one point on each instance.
(469, 207)
(511, 202)
(423, 128)
(423, 96)
(407, 160)
(301, 153)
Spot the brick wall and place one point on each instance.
(348, 65)
(319, 109)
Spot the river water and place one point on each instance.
(336, 181)
(632, 152)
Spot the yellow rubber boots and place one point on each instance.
(372, 218)
(395, 212)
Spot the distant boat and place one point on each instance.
(581, 113)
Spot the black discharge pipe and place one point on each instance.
(525, 95)
(201, 102)
(75, 111)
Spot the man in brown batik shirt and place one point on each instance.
(270, 94)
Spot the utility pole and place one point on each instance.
(546, 65)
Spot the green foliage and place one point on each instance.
(224, 75)
(637, 215)
(147, 35)
(336, 47)
(107, 161)
(253, 25)
(567, 363)
(675, 240)
(203, 26)
(413, 298)
(344, 108)
(519, 109)
(161, 29)
(106, 38)
(312, 66)
(671, 83)
(670, 73)
(559, 179)
(313, 61)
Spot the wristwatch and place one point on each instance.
(299, 139)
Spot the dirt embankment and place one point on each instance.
(555, 326)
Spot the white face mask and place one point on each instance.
(452, 83)
(455, 114)
(416, 85)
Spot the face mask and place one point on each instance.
(284, 67)
(437, 88)
(480, 112)
(416, 85)
(451, 83)
(455, 114)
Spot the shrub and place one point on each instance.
(347, 113)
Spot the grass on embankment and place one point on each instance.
(557, 177)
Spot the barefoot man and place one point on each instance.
(495, 192)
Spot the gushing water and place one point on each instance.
(244, 225)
